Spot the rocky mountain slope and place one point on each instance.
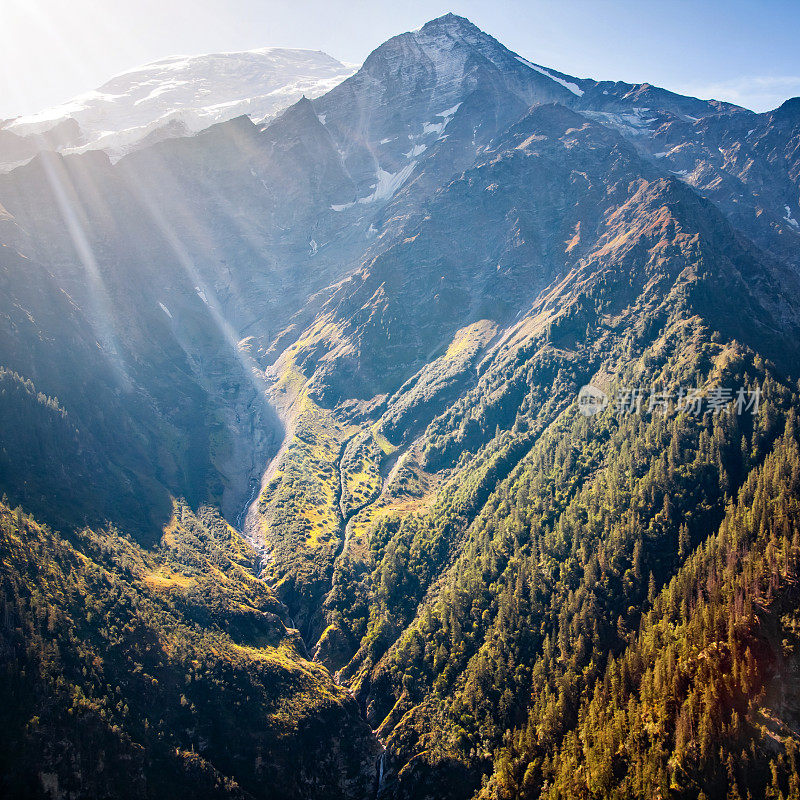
(359, 330)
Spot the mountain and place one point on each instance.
(748, 165)
(175, 96)
(301, 399)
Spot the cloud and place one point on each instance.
(759, 93)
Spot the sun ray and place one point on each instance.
(102, 314)
(160, 218)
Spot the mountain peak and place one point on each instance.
(449, 22)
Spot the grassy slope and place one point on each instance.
(171, 669)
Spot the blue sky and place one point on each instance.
(745, 52)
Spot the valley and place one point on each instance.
(298, 498)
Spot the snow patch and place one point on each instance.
(572, 87)
(450, 112)
(438, 127)
(389, 183)
(634, 123)
(432, 127)
(790, 219)
(416, 150)
(201, 294)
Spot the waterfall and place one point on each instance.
(241, 517)
(381, 779)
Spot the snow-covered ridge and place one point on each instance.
(189, 93)
(572, 87)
